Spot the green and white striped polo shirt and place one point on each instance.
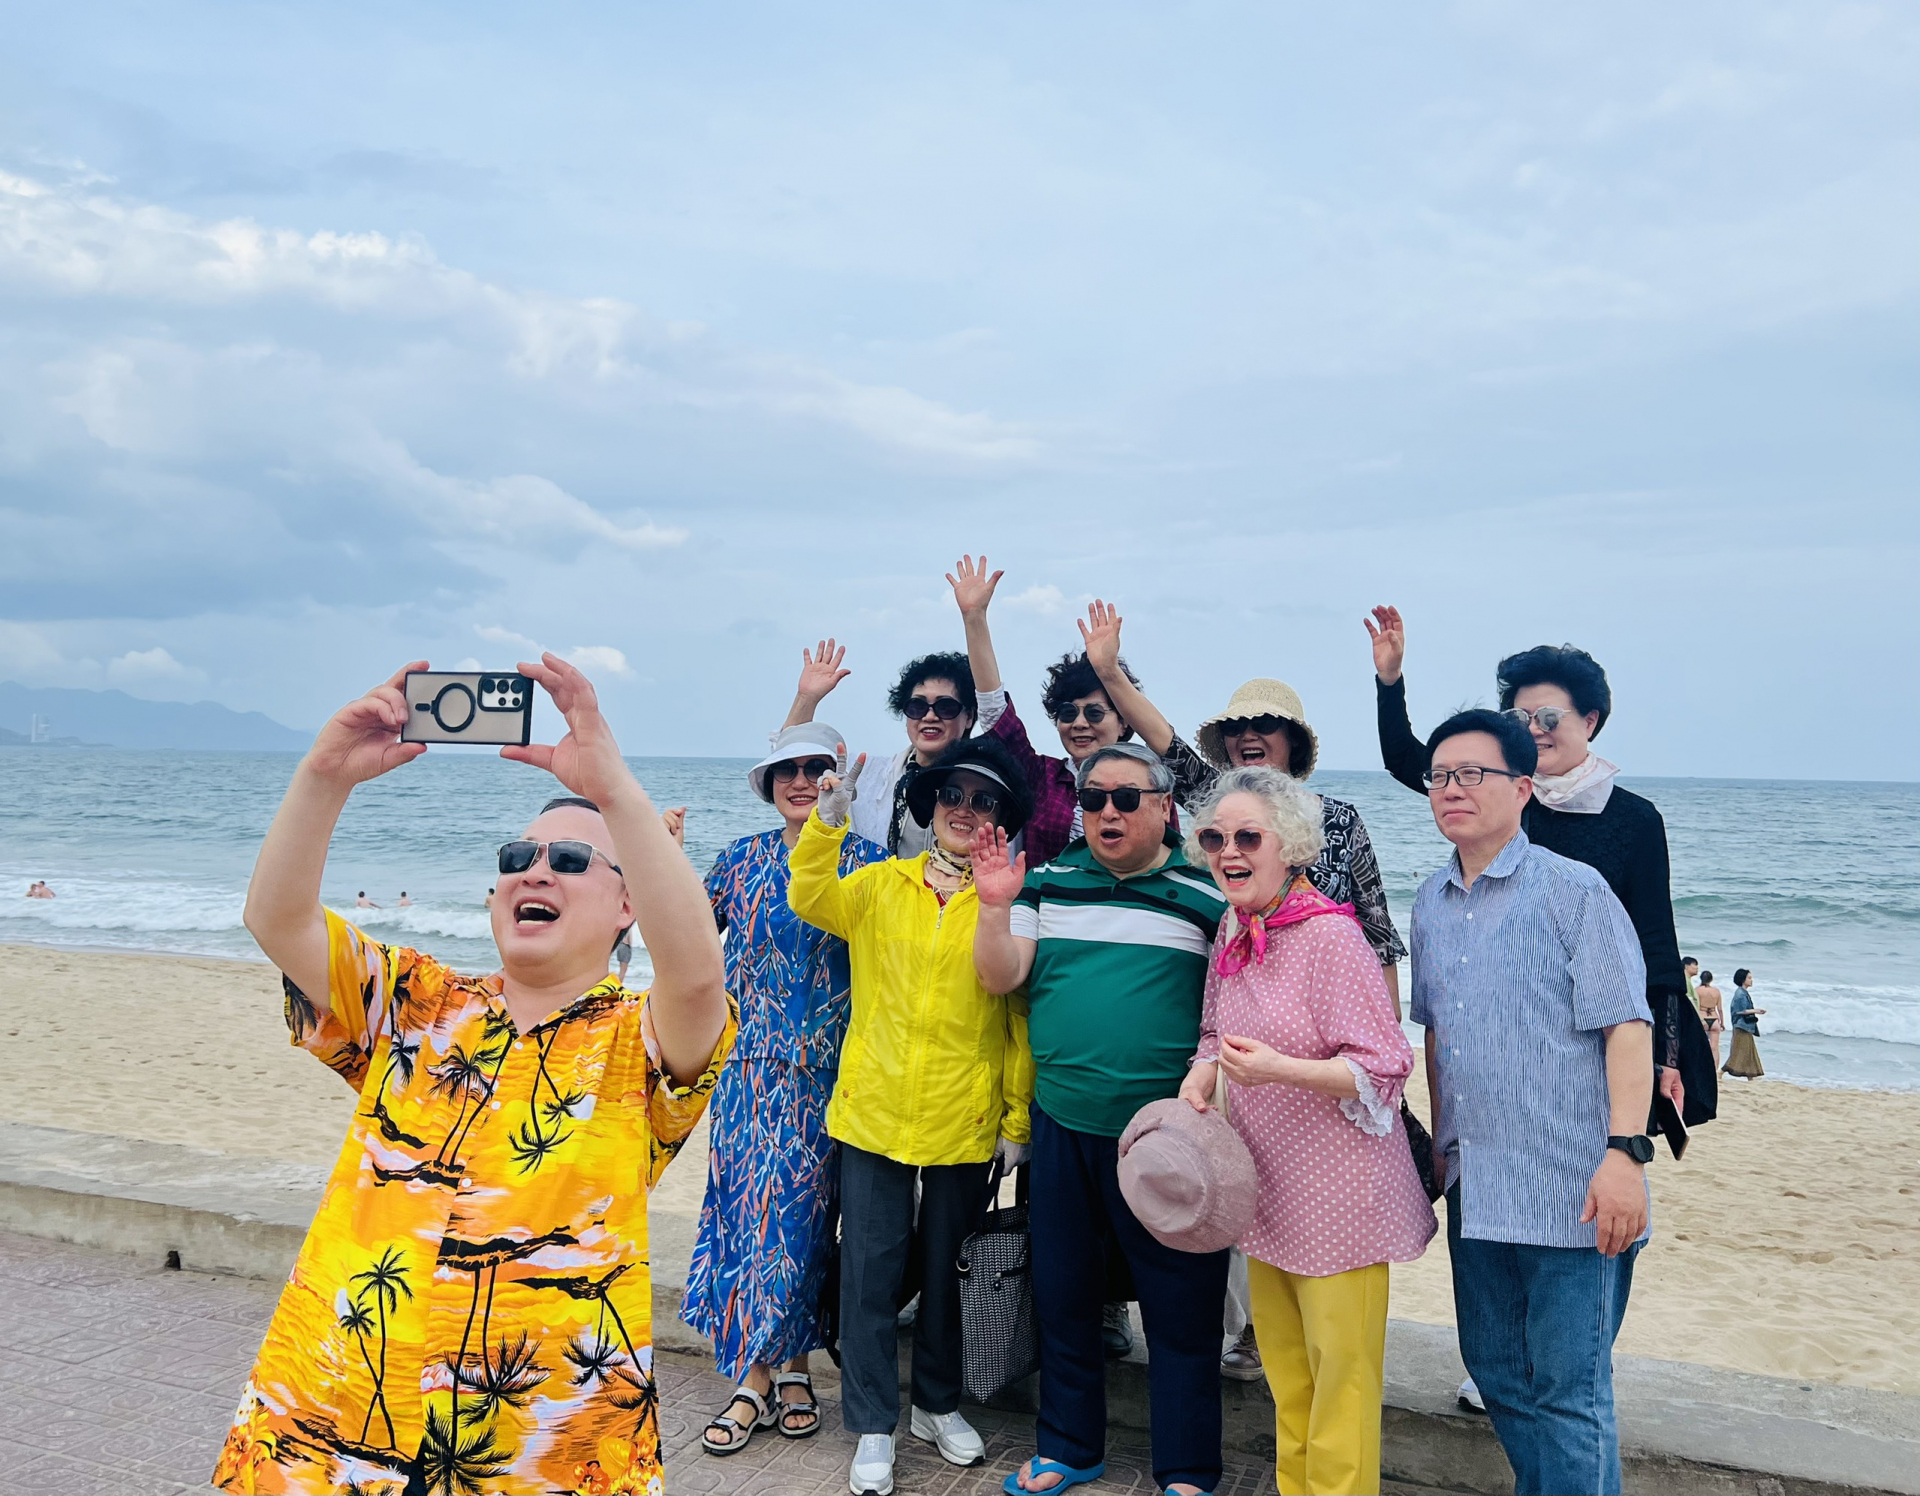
(1118, 975)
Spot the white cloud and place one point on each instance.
(151, 667)
(27, 652)
(493, 633)
(596, 659)
(1042, 598)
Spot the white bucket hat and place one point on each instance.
(1262, 697)
(803, 740)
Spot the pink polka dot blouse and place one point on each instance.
(1338, 1188)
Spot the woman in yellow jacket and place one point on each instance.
(935, 1079)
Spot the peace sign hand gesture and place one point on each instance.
(839, 788)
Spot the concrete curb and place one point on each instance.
(1687, 1430)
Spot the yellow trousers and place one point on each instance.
(1323, 1342)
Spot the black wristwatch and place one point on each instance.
(1639, 1147)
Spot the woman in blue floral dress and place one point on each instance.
(760, 1261)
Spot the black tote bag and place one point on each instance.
(999, 1343)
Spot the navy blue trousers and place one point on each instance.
(1075, 1203)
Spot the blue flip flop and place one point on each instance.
(1068, 1477)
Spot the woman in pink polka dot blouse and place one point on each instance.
(1297, 1016)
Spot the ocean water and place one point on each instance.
(1814, 885)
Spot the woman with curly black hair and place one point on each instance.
(1561, 695)
(935, 697)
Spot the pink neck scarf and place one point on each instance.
(1248, 944)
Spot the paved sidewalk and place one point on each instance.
(118, 1379)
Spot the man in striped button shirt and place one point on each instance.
(1528, 979)
(1111, 938)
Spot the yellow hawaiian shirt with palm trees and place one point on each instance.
(472, 1310)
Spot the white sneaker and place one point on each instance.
(1469, 1397)
(872, 1472)
(951, 1434)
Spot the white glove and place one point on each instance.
(838, 789)
(1010, 1154)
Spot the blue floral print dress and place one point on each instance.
(753, 1287)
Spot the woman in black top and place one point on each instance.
(1580, 812)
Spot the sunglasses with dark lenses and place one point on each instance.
(1071, 711)
(568, 857)
(1246, 840)
(983, 802)
(946, 708)
(790, 769)
(1265, 726)
(1126, 799)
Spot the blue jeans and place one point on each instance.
(1536, 1328)
(1076, 1200)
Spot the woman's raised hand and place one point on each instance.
(995, 880)
(972, 587)
(1389, 643)
(587, 760)
(820, 670)
(839, 788)
(1100, 634)
(361, 741)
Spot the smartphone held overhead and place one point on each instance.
(468, 706)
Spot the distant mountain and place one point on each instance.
(113, 719)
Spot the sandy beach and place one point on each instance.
(1787, 1243)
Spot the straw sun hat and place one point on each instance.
(1262, 697)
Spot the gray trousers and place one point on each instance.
(879, 1239)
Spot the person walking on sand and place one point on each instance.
(1528, 979)
(470, 1309)
(1743, 1055)
(765, 1239)
(1712, 1010)
(934, 1083)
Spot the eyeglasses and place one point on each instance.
(1246, 840)
(946, 708)
(1126, 799)
(1266, 726)
(568, 857)
(790, 769)
(1467, 776)
(1546, 718)
(1071, 711)
(985, 802)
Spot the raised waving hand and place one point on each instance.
(972, 587)
(996, 881)
(1100, 636)
(1389, 643)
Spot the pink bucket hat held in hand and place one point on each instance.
(1187, 1176)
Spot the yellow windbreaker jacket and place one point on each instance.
(935, 1068)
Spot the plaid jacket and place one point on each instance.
(1055, 819)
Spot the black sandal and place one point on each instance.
(763, 1417)
(787, 1407)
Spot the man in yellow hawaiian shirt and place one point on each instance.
(472, 1309)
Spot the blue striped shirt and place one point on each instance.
(1514, 980)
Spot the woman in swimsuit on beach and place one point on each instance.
(1713, 1011)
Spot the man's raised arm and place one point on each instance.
(361, 741)
(688, 1000)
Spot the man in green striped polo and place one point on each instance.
(1111, 939)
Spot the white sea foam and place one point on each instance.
(424, 920)
(1890, 1014)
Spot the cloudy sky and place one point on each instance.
(335, 335)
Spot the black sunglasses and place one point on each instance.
(1265, 726)
(1246, 840)
(946, 708)
(568, 857)
(790, 769)
(1070, 711)
(985, 802)
(1126, 799)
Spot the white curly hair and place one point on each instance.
(1292, 812)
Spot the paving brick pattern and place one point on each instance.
(118, 1378)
